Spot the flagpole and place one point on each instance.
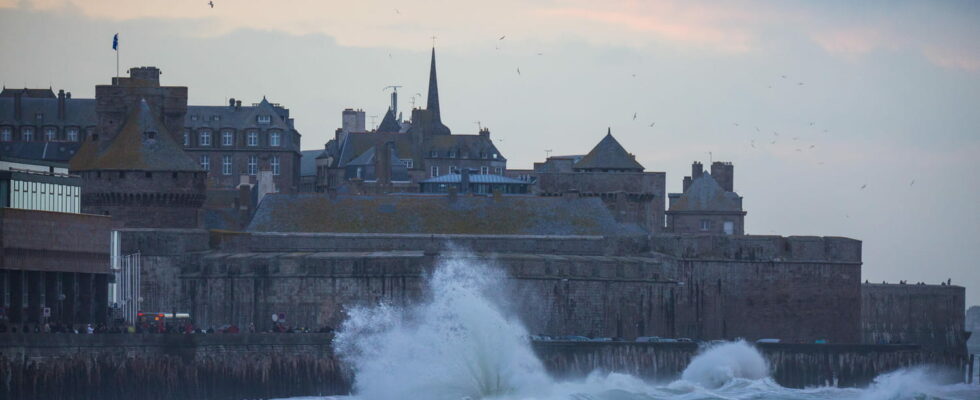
(117, 61)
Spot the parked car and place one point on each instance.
(601, 339)
(768, 341)
(645, 339)
(574, 338)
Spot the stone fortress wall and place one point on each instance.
(799, 289)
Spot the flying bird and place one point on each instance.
(634, 116)
(652, 124)
(397, 12)
(736, 124)
(800, 84)
(540, 54)
(502, 37)
(784, 76)
(757, 129)
(864, 186)
(211, 3)
(912, 183)
(753, 143)
(812, 146)
(518, 70)
(811, 124)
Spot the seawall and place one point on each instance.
(240, 366)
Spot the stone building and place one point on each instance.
(612, 174)
(132, 167)
(227, 141)
(234, 140)
(708, 204)
(414, 150)
(37, 115)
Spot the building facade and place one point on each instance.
(708, 204)
(38, 115)
(235, 140)
(415, 150)
(132, 168)
(610, 173)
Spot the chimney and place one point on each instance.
(61, 105)
(687, 183)
(724, 174)
(394, 103)
(696, 170)
(231, 102)
(238, 105)
(18, 106)
(464, 180)
(67, 95)
(382, 163)
(485, 132)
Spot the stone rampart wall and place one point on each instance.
(929, 315)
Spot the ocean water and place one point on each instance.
(458, 343)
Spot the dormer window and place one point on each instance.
(193, 118)
(150, 135)
(433, 154)
(50, 134)
(263, 119)
(6, 134)
(452, 154)
(27, 135)
(205, 138)
(72, 134)
(39, 116)
(494, 156)
(216, 118)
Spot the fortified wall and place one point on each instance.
(238, 366)
(795, 289)
(928, 315)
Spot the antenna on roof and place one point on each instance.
(478, 125)
(394, 97)
(547, 153)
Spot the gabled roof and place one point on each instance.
(78, 112)
(389, 123)
(705, 194)
(133, 149)
(235, 117)
(26, 92)
(608, 155)
(436, 214)
(356, 144)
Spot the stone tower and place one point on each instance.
(133, 167)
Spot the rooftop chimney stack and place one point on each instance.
(61, 105)
(724, 174)
(697, 169)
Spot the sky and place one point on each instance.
(855, 119)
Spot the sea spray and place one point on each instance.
(456, 344)
(719, 364)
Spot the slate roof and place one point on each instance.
(236, 118)
(131, 150)
(436, 214)
(25, 92)
(307, 162)
(705, 194)
(59, 152)
(465, 146)
(78, 112)
(475, 178)
(356, 144)
(608, 154)
(389, 123)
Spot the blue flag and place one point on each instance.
(115, 42)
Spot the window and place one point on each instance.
(435, 170)
(226, 165)
(263, 119)
(193, 118)
(433, 154)
(187, 138)
(205, 138)
(253, 139)
(216, 118)
(39, 116)
(27, 135)
(705, 224)
(50, 134)
(452, 154)
(274, 139)
(274, 161)
(72, 134)
(409, 163)
(5, 134)
(498, 170)
(494, 156)
(453, 169)
(253, 165)
(729, 228)
(484, 170)
(227, 138)
(206, 163)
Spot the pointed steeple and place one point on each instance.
(432, 102)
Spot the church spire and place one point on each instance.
(432, 103)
